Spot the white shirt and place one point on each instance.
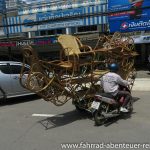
(111, 81)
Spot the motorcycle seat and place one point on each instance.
(108, 95)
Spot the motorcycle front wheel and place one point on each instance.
(99, 118)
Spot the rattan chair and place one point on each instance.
(75, 51)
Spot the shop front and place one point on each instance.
(142, 46)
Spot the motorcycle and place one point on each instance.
(106, 106)
(103, 106)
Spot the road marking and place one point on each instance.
(46, 115)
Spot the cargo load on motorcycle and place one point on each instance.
(76, 74)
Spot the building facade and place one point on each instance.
(60, 18)
(132, 17)
(41, 21)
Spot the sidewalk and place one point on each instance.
(142, 82)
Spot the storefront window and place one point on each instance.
(87, 28)
(51, 32)
(42, 33)
(59, 31)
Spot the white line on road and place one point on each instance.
(46, 115)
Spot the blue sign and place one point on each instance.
(131, 14)
(27, 22)
(119, 5)
(61, 24)
(2, 6)
(59, 14)
(130, 25)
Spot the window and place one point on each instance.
(59, 31)
(16, 69)
(103, 28)
(87, 28)
(5, 69)
(51, 32)
(42, 33)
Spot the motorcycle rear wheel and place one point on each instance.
(79, 109)
(99, 118)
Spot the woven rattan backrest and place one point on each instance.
(31, 57)
(70, 44)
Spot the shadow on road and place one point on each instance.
(72, 116)
(16, 100)
(135, 99)
(64, 119)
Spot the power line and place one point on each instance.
(59, 19)
(22, 6)
(106, 13)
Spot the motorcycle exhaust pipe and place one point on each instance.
(109, 115)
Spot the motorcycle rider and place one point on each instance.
(110, 83)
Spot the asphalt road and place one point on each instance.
(32, 124)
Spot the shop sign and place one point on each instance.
(62, 24)
(24, 43)
(87, 37)
(142, 39)
(129, 15)
(130, 25)
(40, 41)
(59, 14)
(26, 20)
(119, 5)
(7, 44)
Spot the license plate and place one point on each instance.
(95, 105)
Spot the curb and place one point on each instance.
(141, 84)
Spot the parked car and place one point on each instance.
(9, 80)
